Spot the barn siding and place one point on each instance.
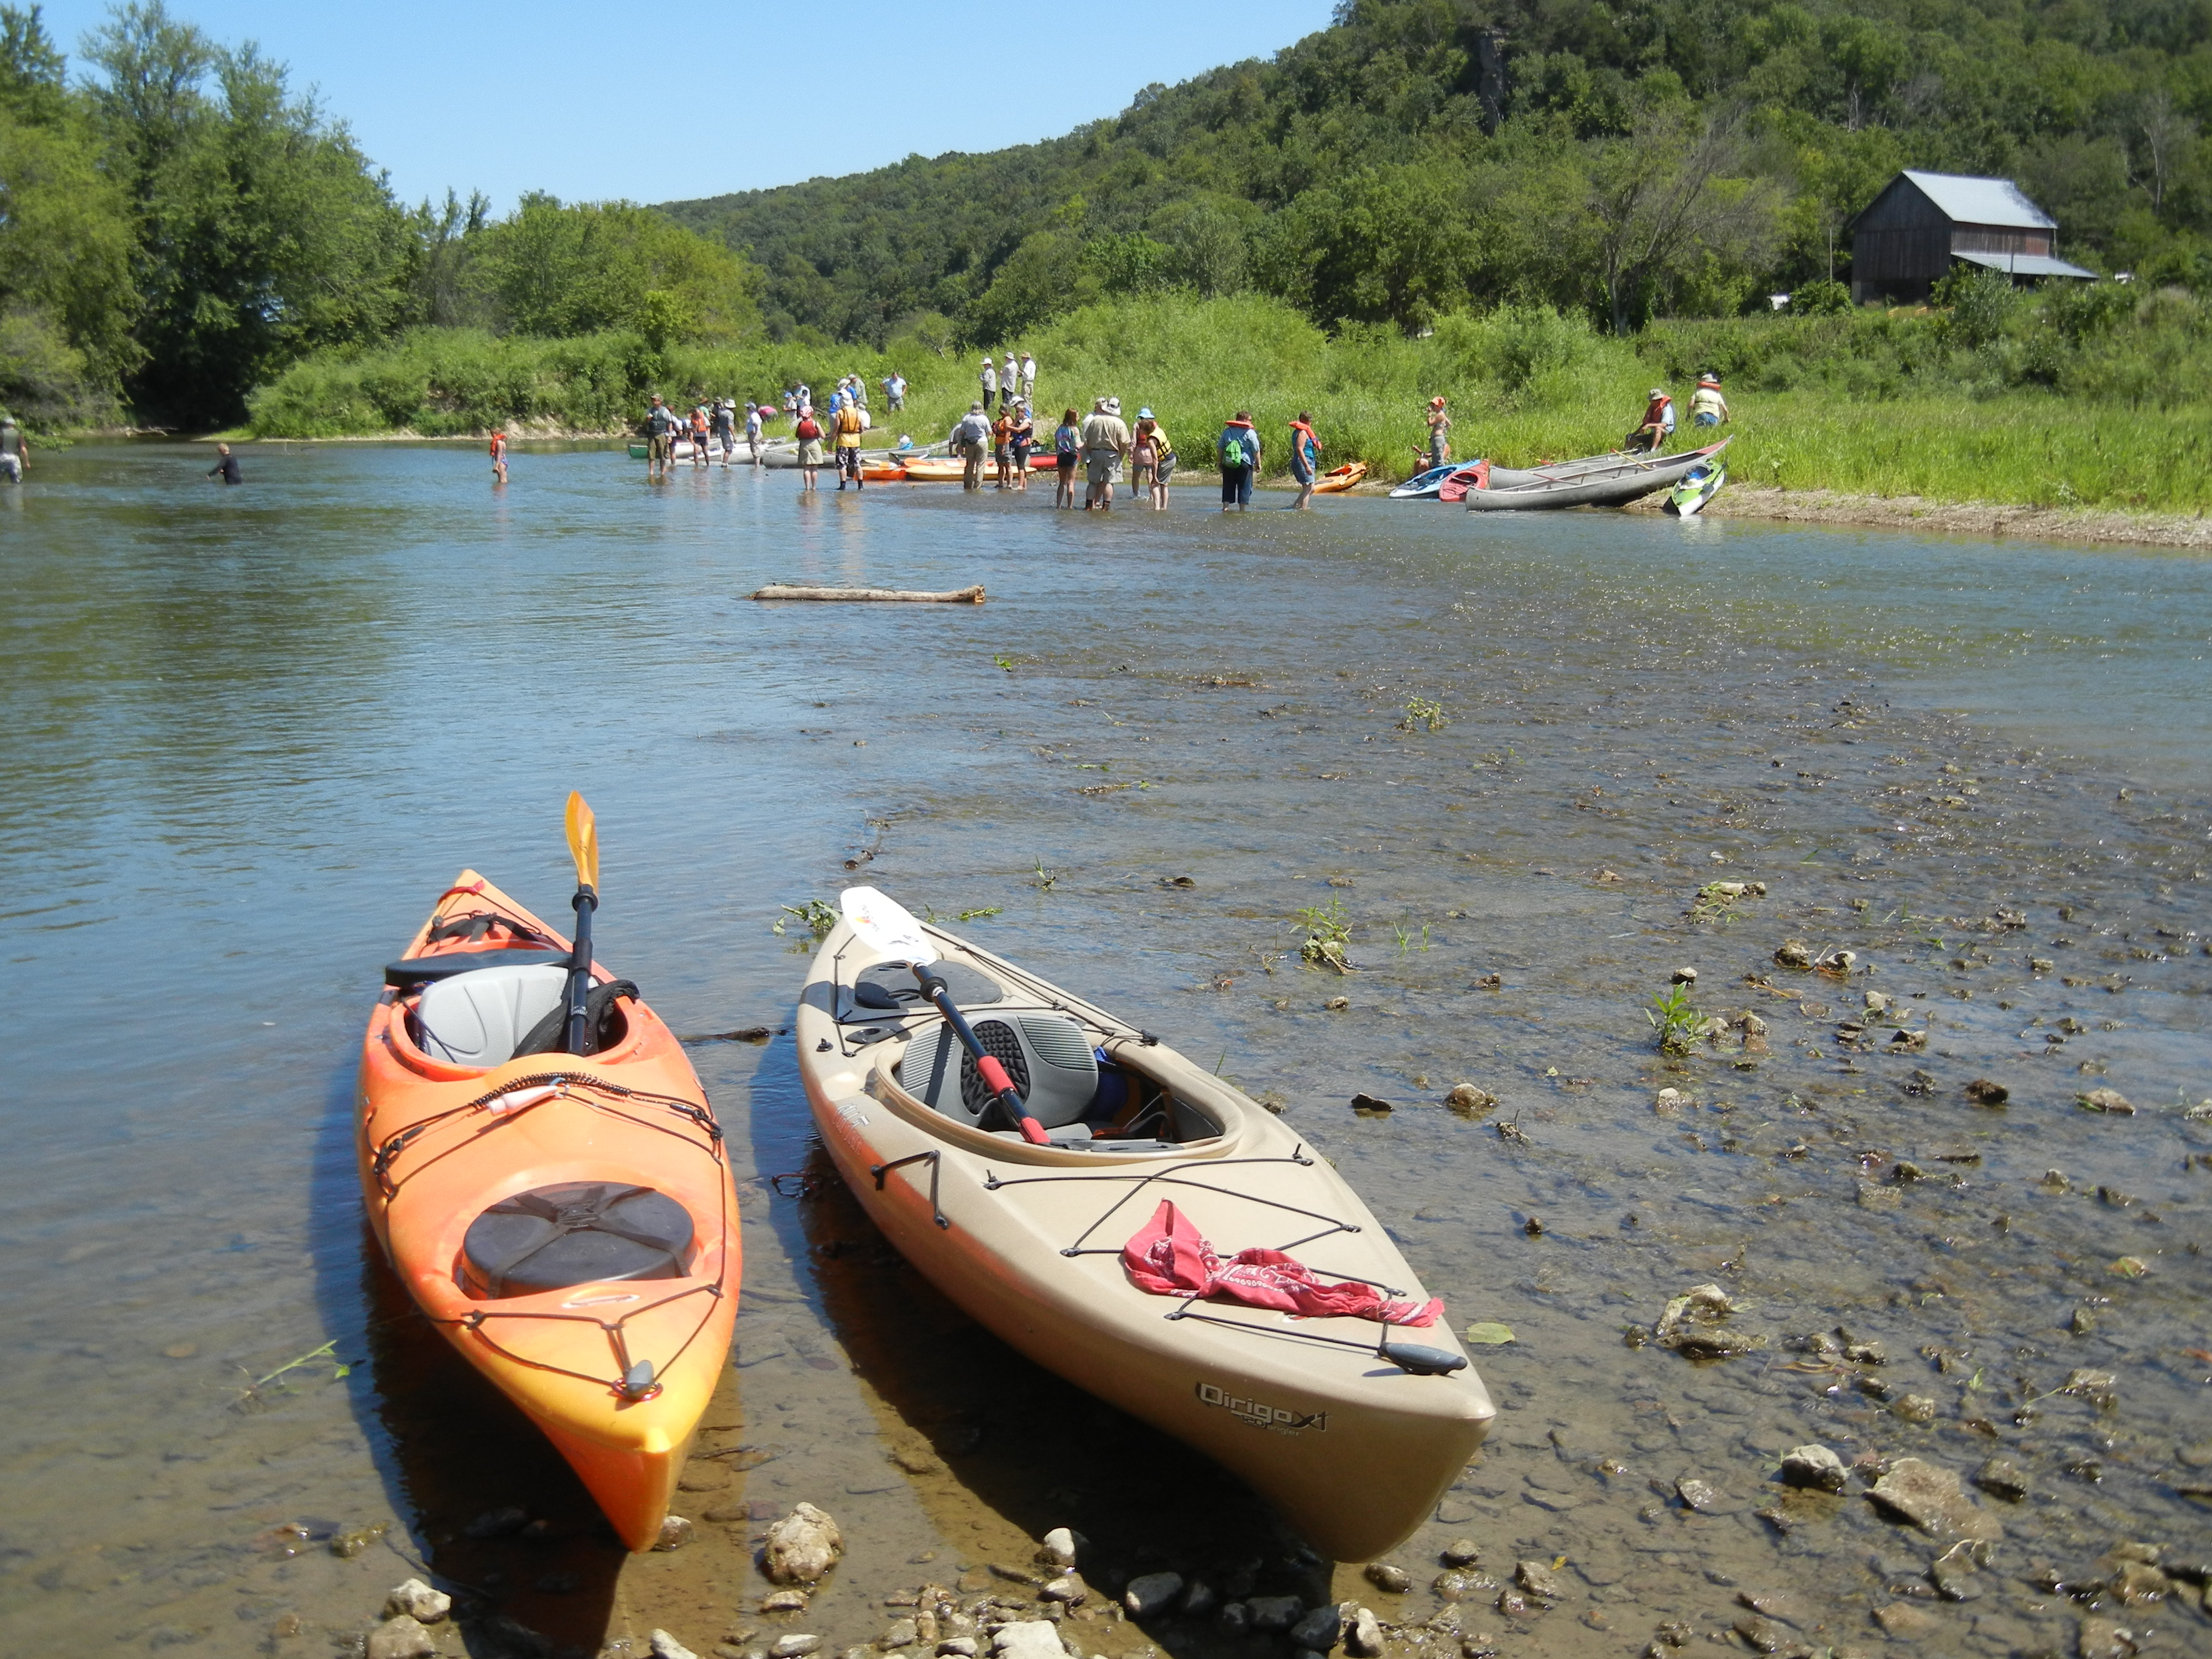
(1902, 243)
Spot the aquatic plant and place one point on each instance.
(813, 914)
(1676, 1021)
(1423, 715)
(1328, 929)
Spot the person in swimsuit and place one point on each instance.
(1305, 457)
(499, 457)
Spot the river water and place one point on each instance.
(251, 734)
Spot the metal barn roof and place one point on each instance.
(1981, 201)
(2025, 264)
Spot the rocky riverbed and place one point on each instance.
(1800, 1085)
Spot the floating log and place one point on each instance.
(900, 595)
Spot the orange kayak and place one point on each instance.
(566, 1221)
(1341, 477)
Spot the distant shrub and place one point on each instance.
(1822, 299)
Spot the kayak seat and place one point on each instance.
(480, 1018)
(1047, 1056)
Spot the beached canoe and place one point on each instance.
(1505, 478)
(566, 1220)
(1628, 479)
(1698, 486)
(1339, 479)
(1355, 1447)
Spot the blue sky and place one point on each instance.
(656, 102)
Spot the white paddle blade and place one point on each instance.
(884, 926)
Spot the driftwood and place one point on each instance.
(959, 596)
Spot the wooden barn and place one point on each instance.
(1909, 237)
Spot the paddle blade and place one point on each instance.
(884, 926)
(583, 841)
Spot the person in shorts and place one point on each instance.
(659, 436)
(809, 432)
(1707, 407)
(14, 452)
(1105, 442)
(851, 422)
(1019, 436)
(1067, 450)
(1002, 434)
(971, 439)
(1305, 457)
(1439, 450)
(1144, 456)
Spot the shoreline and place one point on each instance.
(1994, 521)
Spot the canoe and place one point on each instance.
(1697, 487)
(566, 1221)
(1462, 479)
(1423, 485)
(1355, 1449)
(1502, 477)
(1339, 478)
(1626, 480)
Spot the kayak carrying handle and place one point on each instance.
(935, 1159)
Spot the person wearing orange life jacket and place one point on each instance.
(701, 427)
(851, 422)
(1707, 406)
(499, 457)
(1658, 424)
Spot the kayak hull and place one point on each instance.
(431, 1163)
(1354, 1451)
(1338, 479)
(1688, 498)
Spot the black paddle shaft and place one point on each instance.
(580, 969)
(1006, 1096)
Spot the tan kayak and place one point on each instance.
(1355, 1449)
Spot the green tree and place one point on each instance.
(553, 268)
(1374, 249)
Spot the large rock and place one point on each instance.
(1033, 1638)
(1068, 1589)
(1057, 1548)
(399, 1637)
(417, 1601)
(797, 1645)
(1363, 1635)
(801, 1547)
(1930, 1497)
(1151, 1592)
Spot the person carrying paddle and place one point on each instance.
(1651, 436)
(809, 432)
(1707, 406)
(1067, 450)
(1239, 450)
(1439, 450)
(1305, 457)
(851, 422)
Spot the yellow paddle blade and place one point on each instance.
(583, 841)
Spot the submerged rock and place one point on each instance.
(1469, 1100)
(1930, 1497)
(1461, 1553)
(801, 1547)
(2105, 1100)
(2003, 1477)
(398, 1637)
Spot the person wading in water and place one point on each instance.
(226, 466)
(1305, 457)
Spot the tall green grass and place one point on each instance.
(1865, 403)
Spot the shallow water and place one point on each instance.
(250, 734)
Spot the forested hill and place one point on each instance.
(1634, 159)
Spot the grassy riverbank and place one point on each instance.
(2030, 403)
